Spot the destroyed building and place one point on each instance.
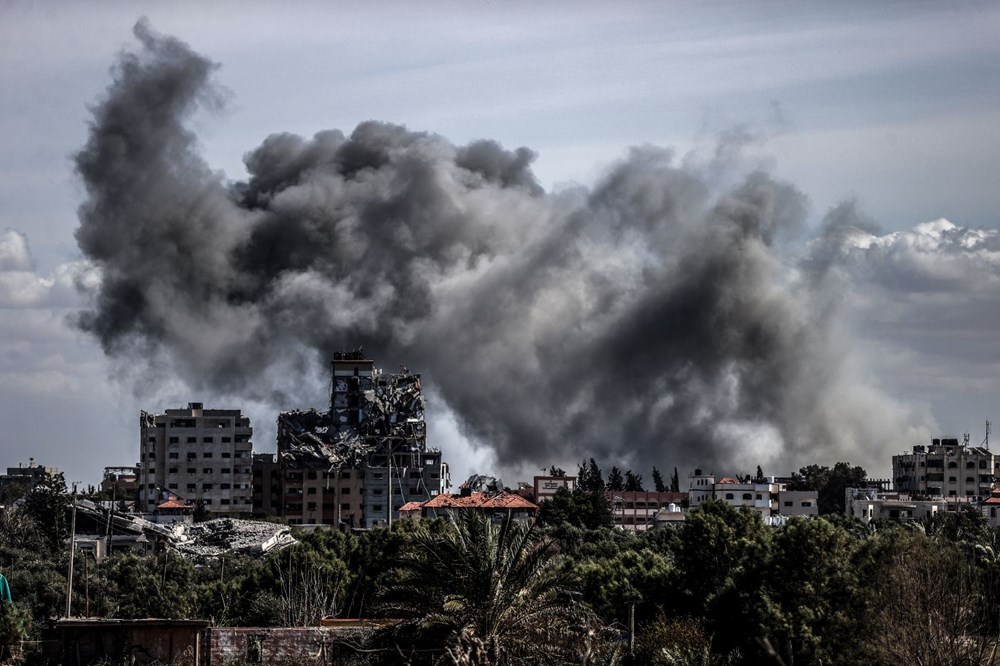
(201, 455)
(359, 462)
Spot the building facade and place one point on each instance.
(945, 469)
(366, 457)
(201, 455)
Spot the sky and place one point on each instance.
(882, 116)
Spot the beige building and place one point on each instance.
(201, 455)
(635, 511)
(945, 469)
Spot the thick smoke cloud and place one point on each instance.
(649, 320)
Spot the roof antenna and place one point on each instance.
(986, 442)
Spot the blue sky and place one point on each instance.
(895, 105)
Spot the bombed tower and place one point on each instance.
(363, 458)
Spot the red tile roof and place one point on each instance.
(727, 479)
(502, 500)
(411, 506)
(174, 504)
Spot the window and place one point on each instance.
(311, 506)
(310, 491)
(208, 501)
(345, 491)
(377, 491)
(729, 496)
(344, 506)
(224, 486)
(174, 455)
(206, 486)
(191, 486)
(224, 501)
(377, 508)
(192, 470)
(151, 454)
(171, 470)
(207, 440)
(207, 454)
(345, 475)
(174, 440)
(226, 470)
(192, 440)
(311, 475)
(206, 470)
(748, 496)
(152, 469)
(172, 486)
(807, 503)
(227, 440)
(225, 454)
(376, 475)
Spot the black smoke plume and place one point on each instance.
(648, 320)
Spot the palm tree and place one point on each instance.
(488, 594)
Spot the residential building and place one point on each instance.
(768, 496)
(19, 480)
(360, 462)
(547, 486)
(635, 510)
(497, 506)
(803, 503)
(266, 485)
(197, 454)
(122, 483)
(867, 504)
(945, 469)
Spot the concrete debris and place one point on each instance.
(368, 414)
(481, 483)
(221, 536)
(209, 539)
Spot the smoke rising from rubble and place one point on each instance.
(650, 320)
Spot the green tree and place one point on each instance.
(675, 483)
(829, 484)
(47, 505)
(486, 594)
(616, 480)
(589, 477)
(658, 484)
(633, 482)
(556, 471)
(577, 508)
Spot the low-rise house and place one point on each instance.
(635, 511)
(497, 506)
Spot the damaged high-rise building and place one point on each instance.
(200, 455)
(359, 462)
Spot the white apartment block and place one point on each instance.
(945, 469)
(765, 496)
(196, 454)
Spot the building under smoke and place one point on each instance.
(362, 459)
(201, 455)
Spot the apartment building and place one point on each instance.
(945, 469)
(201, 455)
(768, 496)
(360, 462)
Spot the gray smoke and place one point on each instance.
(649, 320)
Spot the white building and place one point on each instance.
(945, 469)
(199, 455)
(765, 496)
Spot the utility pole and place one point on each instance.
(72, 552)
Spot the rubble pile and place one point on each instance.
(217, 537)
(389, 414)
(310, 438)
(208, 539)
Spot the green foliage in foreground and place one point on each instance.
(721, 588)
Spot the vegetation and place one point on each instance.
(721, 588)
